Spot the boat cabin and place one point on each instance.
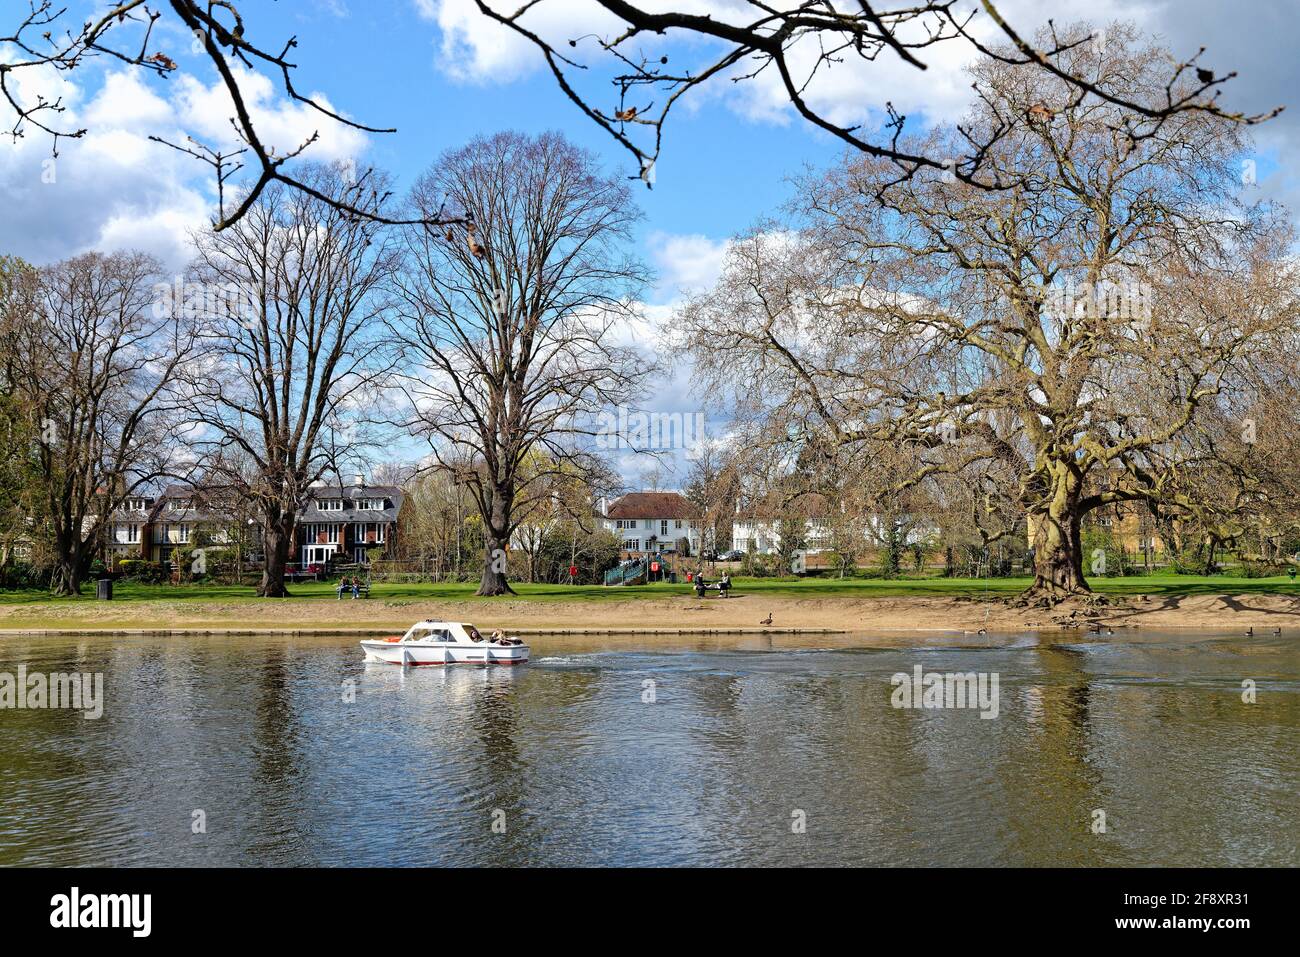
(451, 631)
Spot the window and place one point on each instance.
(185, 533)
(633, 544)
(663, 526)
(678, 523)
(135, 505)
(133, 533)
(178, 505)
(370, 504)
(331, 505)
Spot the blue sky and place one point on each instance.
(441, 73)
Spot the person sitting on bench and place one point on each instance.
(343, 586)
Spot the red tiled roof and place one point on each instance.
(653, 505)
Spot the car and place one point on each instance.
(731, 556)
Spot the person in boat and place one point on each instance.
(474, 634)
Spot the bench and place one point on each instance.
(700, 589)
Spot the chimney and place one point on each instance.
(602, 506)
(358, 479)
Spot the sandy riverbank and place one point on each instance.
(670, 615)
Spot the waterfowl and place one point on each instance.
(767, 620)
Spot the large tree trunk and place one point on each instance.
(277, 540)
(66, 578)
(495, 539)
(495, 580)
(1054, 531)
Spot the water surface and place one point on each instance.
(743, 741)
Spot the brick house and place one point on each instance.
(338, 523)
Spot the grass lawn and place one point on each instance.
(778, 588)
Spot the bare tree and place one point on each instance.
(96, 369)
(743, 41)
(512, 322)
(293, 292)
(797, 41)
(1067, 334)
(42, 38)
(713, 487)
(19, 490)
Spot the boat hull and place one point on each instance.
(444, 653)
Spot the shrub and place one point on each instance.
(1252, 569)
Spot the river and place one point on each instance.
(273, 750)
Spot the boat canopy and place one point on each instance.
(434, 630)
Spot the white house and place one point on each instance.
(763, 535)
(754, 529)
(651, 522)
(128, 528)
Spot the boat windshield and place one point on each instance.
(429, 634)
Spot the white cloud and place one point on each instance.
(475, 48)
(685, 263)
(114, 188)
(281, 123)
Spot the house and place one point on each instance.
(757, 526)
(152, 527)
(651, 522)
(126, 533)
(341, 523)
(184, 517)
(337, 523)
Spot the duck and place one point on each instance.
(767, 620)
(1250, 631)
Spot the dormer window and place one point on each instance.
(331, 505)
(135, 505)
(370, 504)
(178, 505)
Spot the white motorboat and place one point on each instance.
(445, 643)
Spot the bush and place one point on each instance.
(22, 575)
(1251, 569)
(137, 569)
